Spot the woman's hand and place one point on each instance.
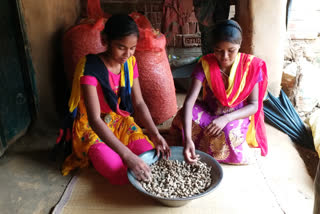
(189, 152)
(161, 145)
(141, 170)
(142, 112)
(216, 126)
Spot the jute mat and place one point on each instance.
(274, 184)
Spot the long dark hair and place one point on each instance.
(226, 30)
(119, 26)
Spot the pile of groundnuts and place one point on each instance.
(177, 179)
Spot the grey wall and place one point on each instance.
(46, 21)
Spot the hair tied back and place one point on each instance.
(235, 26)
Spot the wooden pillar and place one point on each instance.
(263, 24)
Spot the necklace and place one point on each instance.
(224, 73)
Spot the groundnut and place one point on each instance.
(175, 179)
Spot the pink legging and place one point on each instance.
(109, 164)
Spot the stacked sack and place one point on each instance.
(155, 75)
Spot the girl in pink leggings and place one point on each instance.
(105, 92)
(109, 164)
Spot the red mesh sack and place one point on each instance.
(84, 38)
(151, 40)
(155, 75)
(81, 40)
(94, 9)
(141, 20)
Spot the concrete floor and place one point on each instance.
(31, 183)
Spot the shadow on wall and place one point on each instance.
(61, 90)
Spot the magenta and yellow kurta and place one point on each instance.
(232, 146)
(119, 122)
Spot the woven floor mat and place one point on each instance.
(277, 183)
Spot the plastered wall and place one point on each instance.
(263, 24)
(45, 23)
